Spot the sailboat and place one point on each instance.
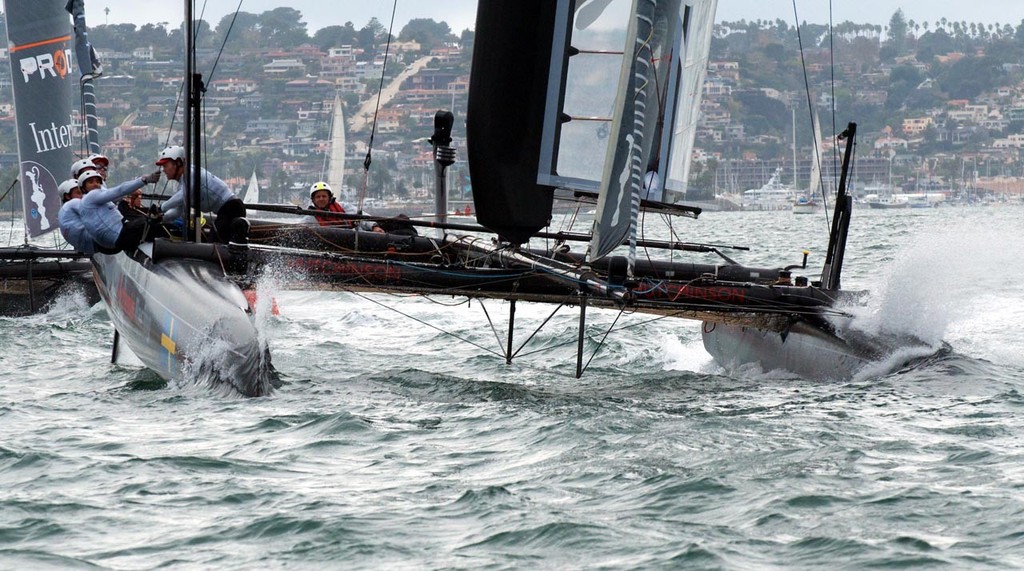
(533, 74)
(31, 276)
(809, 203)
(252, 190)
(173, 303)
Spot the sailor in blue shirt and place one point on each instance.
(70, 218)
(101, 216)
(214, 194)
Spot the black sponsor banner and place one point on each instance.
(40, 41)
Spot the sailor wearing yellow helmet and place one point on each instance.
(322, 198)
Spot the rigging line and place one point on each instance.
(537, 330)
(434, 327)
(376, 109)
(601, 342)
(487, 314)
(832, 86)
(227, 35)
(591, 337)
(810, 111)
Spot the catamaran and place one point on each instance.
(531, 135)
(534, 119)
(173, 303)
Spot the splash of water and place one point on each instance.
(940, 277)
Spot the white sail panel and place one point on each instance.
(252, 192)
(814, 187)
(697, 48)
(336, 150)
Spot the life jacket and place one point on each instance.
(332, 206)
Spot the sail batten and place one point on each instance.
(39, 36)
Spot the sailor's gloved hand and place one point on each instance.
(151, 178)
(154, 212)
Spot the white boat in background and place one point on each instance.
(806, 205)
(886, 202)
(773, 195)
(809, 203)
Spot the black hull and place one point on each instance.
(183, 317)
(802, 348)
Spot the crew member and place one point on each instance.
(69, 190)
(214, 195)
(131, 206)
(80, 166)
(102, 219)
(70, 218)
(323, 200)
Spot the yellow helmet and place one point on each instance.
(318, 186)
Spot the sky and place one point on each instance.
(460, 14)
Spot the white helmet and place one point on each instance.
(172, 153)
(67, 186)
(99, 160)
(318, 186)
(86, 176)
(80, 165)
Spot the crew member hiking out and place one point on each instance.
(214, 194)
(103, 220)
(70, 218)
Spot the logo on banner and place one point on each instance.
(53, 137)
(41, 66)
(42, 184)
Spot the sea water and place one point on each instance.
(401, 439)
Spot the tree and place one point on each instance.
(898, 31)
(282, 27)
(969, 77)
(335, 36)
(427, 32)
(366, 38)
(244, 29)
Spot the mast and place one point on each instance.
(793, 113)
(90, 68)
(193, 129)
(830, 273)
